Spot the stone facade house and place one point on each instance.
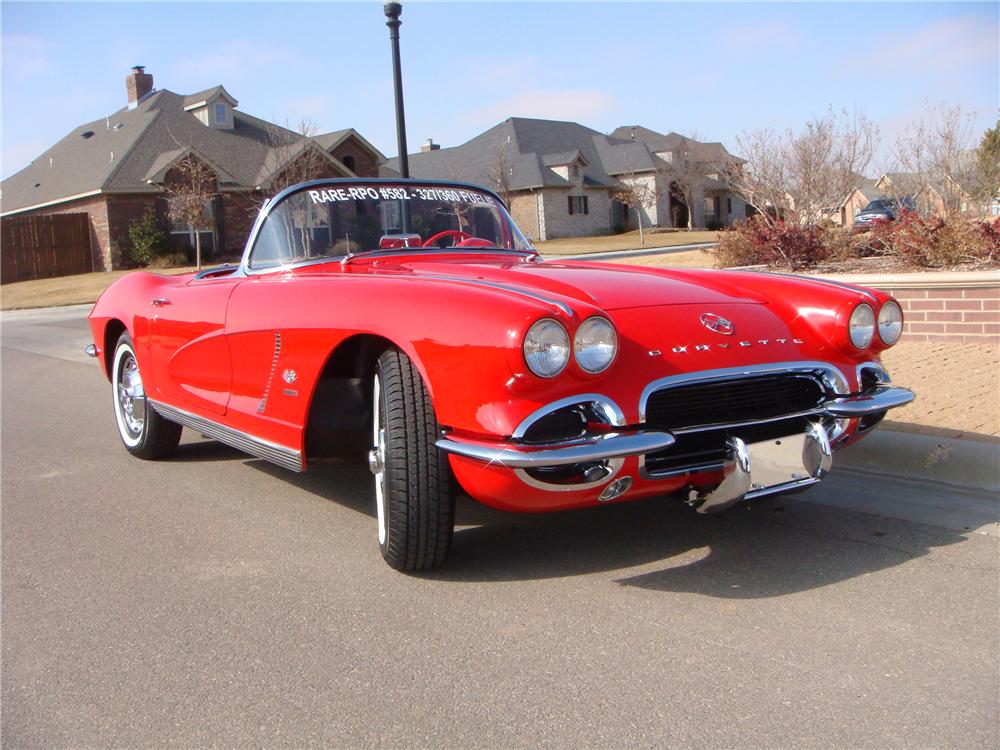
(559, 177)
(114, 169)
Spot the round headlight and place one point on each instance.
(595, 345)
(862, 325)
(890, 323)
(546, 348)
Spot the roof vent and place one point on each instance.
(87, 134)
(117, 126)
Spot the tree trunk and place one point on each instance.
(638, 218)
(690, 202)
(197, 246)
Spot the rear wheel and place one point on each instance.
(414, 498)
(143, 431)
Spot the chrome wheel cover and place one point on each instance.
(131, 397)
(376, 461)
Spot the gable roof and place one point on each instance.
(132, 148)
(329, 141)
(711, 152)
(193, 101)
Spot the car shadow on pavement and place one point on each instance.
(771, 547)
(206, 449)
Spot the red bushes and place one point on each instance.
(755, 242)
(915, 242)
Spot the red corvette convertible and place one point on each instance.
(413, 322)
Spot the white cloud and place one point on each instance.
(940, 47)
(558, 104)
(234, 56)
(24, 55)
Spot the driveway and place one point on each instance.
(213, 599)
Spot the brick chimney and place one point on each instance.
(137, 83)
(430, 145)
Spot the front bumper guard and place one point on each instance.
(619, 444)
(603, 448)
(881, 399)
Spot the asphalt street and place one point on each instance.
(213, 599)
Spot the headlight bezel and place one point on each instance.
(578, 346)
(871, 325)
(890, 305)
(536, 329)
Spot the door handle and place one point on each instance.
(159, 301)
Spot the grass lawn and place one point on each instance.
(626, 241)
(63, 290)
(689, 259)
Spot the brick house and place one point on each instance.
(939, 198)
(559, 177)
(114, 169)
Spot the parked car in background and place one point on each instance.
(883, 209)
(411, 322)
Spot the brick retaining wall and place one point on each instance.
(954, 307)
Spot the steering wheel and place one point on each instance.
(456, 233)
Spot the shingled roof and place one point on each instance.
(709, 152)
(531, 148)
(123, 152)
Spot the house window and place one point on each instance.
(729, 206)
(220, 113)
(348, 161)
(574, 171)
(578, 205)
(182, 236)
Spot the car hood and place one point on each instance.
(609, 287)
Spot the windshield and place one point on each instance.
(335, 219)
(880, 205)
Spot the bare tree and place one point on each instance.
(799, 177)
(935, 160)
(635, 192)
(190, 188)
(501, 172)
(688, 171)
(293, 156)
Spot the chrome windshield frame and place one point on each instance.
(265, 211)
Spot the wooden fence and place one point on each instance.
(39, 247)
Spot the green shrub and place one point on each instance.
(148, 239)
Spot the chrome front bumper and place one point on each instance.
(879, 400)
(518, 455)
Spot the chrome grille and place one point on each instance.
(733, 400)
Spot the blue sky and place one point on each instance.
(711, 68)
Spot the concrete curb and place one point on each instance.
(966, 463)
(38, 312)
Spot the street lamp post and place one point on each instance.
(392, 12)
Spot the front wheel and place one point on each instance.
(143, 431)
(414, 499)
